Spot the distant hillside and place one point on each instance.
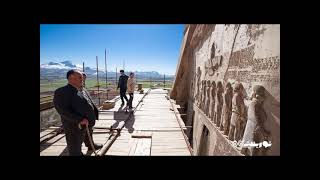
(57, 70)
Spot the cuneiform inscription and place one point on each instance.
(242, 57)
(248, 76)
(270, 63)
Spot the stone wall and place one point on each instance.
(49, 117)
(249, 54)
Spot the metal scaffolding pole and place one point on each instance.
(105, 61)
(164, 80)
(98, 81)
(84, 83)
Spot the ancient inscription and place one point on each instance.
(242, 57)
(245, 68)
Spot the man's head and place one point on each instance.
(258, 92)
(121, 71)
(131, 75)
(75, 78)
(208, 83)
(229, 87)
(213, 84)
(219, 86)
(238, 87)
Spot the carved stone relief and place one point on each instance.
(254, 130)
(218, 104)
(213, 95)
(207, 104)
(227, 107)
(238, 113)
(198, 86)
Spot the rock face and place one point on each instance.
(49, 117)
(246, 54)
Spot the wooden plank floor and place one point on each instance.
(156, 130)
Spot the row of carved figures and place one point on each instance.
(227, 110)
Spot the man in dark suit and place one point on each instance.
(122, 84)
(75, 107)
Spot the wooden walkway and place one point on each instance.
(152, 130)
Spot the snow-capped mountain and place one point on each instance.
(59, 69)
(60, 65)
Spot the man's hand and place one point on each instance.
(84, 122)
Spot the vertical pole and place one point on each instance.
(105, 61)
(164, 80)
(98, 80)
(116, 77)
(84, 83)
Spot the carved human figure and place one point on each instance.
(200, 95)
(204, 85)
(208, 97)
(255, 131)
(204, 96)
(198, 86)
(218, 103)
(226, 109)
(237, 115)
(213, 95)
(243, 124)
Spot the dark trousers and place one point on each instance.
(123, 94)
(130, 100)
(75, 137)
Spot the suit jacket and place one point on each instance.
(73, 106)
(122, 84)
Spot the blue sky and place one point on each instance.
(142, 47)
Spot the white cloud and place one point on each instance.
(59, 66)
(79, 66)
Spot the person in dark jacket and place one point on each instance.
(75, 107)
(122, 84)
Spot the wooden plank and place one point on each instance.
(133, 146)
(141, 135)
(53, 151)
(163, 135)
(143, 147)
(48, 131)
(169, 150)
(53, 139)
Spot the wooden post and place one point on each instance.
(164, 81)
(98, 80)
(116, 77)
(105, 61)
(84, 83)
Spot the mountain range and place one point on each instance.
(59, 70)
